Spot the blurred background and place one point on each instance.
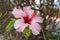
(48, 9)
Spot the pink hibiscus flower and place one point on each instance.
(27, 18)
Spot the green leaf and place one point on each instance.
(10, 25)
(0, 14)
(27, 32)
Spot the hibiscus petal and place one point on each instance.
(18, 13)
(20, 25)
(28, 10)
(36, 28)
(37, 19)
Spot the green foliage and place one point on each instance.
(0, 14)
(53, 37)
(10, 25)
(27, 32)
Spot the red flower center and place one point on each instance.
(33, 0)
(27, 19)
